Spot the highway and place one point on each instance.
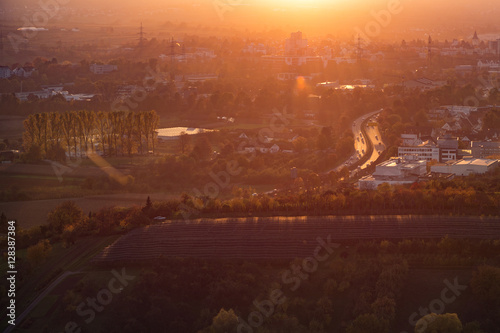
(374, 136)
(360, 141)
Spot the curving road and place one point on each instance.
(360, 141)
(375, 138)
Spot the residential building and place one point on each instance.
(25, 71)
(5, 72)
(23, 96)
(459, 110)
(47, 93)
(410, 140)
(465, 166)
(102, 69)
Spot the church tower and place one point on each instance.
(475, 40)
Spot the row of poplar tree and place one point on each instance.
(79, 132)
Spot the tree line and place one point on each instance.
(53, 135)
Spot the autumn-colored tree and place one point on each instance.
(184, 141)
(224, 321)
(486, 284)
(37, 254)
(432, 322)
(67, 213)
(368, 323)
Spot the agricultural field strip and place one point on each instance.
(283, 237)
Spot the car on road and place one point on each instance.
(376, 137)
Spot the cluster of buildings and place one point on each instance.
(413, 147)
(27, 71)
(198, 53)
(296, 53)
(440, 153)
(50, 91)
(445, 148)
(401, 170)
(24, 72)
(421, 158)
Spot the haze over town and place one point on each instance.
(250, 166)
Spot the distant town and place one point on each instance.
(250, 166)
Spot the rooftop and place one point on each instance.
(476, 161)
(471, 161)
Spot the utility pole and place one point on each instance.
(429, 52)
(141, 37)
(1, 46)
(172, 51)
(360, 50)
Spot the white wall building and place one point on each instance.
(425, 152)
(102, 69)
(395, 171)
(466, 166)
(5, 72)
(23, 71)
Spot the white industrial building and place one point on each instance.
(465, 166)
(426, 151)
(395, 171)
(414, 149)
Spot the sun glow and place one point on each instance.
(301, 3)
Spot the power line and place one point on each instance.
(429, 51)
(141, 37)
(360, 50)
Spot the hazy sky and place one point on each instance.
(316, 17)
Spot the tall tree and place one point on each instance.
(102, 129)
(139, 129)
(67, 129)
